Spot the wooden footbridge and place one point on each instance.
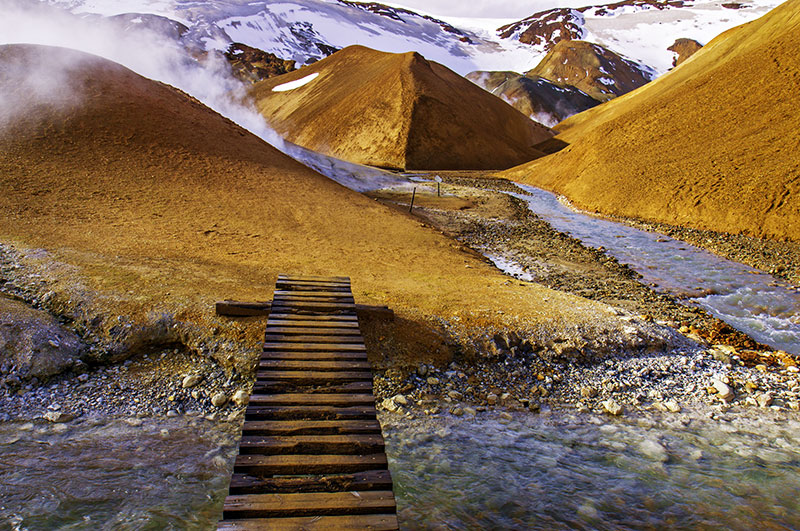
(312, 453)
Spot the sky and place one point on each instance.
(514, 9)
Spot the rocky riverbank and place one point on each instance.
(716, 367)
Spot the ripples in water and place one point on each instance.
(569, 472)
(111, 475)
(765, 308)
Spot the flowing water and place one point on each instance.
(563, 471)
(109, 475)
(755, 303)
(556, 470)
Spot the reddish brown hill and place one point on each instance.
(684, 49)
(157, 203)
(595, 70)
(397, 111)
(713, 144)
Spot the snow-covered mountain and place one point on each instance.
(308, 30)
(641, 30)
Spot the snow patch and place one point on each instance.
(291, 85)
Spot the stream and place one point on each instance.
(555, 470)
(567, 471)
(114, 474)
(762, 306)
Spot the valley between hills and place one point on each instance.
(490, 210)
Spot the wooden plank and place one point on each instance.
(369, 480)
(322, 326)
(337, 319)
(344, 299)
(328, 387)
(308, 464)
(310, 427)
(369, 522)
(300, 355)
(316, 284)
(297, 365)
(310, 412)
(335, 399)
(284, 306)
(332, 347)
(311, 444)
(311, 293)
(308, 504)
(300, 286)
(289, 338)
(309, 377)
(315, 278)
(314, 331)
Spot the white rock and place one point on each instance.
(672, 406)
(724, 392)
(190, 380)
(240, 398)
(611, 407)
(389, 405)
(654, 450)
(219, 399)
(400, 399)
(58, 416)
(764, 400)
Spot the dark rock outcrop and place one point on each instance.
(252, 65)
(684, 49)
(594, 69)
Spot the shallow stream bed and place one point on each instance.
(110, 474)
(569, 471)
(762, 306)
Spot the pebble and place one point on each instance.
(672, 406)
(172, 413)
(506, 416)
(764, 400)
(240, 398)
(724, 392)
(654, 450)
(612, 408)
(433, 381)
(491, 399)
(455, 395)
(389, 405)
(400, 399)
(219, 399)
(190, 380)
(588, 392)
(58, 416)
